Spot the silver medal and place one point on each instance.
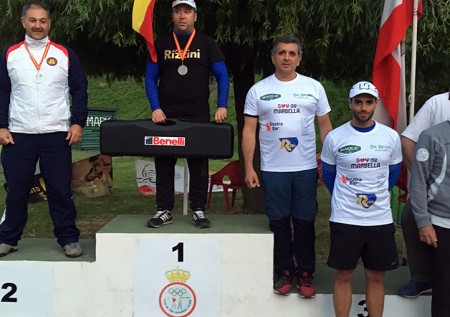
(38, 78)
(182, 70)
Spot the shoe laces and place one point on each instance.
(285, 276)
(285, 279)
(199, 214)
(159, 213)
(306, 280)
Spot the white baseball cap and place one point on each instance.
(363, 87)
(188, 2)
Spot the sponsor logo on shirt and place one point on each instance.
(303, 96)
(350, 180)
(165, 141)
(380, 147)
(273, 126)
(288, 144)
(173, 54)
(286, 108)
(51, 61)
(268, 97)
(348, 149)
(366, 162)
(366, 200)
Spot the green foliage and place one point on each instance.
(433, 53)
(339, 36)
(338, 98)
(330, 30)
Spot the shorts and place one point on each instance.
(375, 245)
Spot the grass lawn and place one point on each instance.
(93, 213)
(128, 97)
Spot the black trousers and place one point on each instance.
(165, 187)
(198, 173)
(19, 164)
(419, 257)
(293, 239)
(440, 274)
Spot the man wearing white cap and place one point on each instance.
(361, 162)
(178, 88)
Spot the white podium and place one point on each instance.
(176, 270)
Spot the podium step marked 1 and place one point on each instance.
(176, 270)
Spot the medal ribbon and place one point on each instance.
(38, 66)
(186, 48)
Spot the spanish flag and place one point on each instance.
(142, 22)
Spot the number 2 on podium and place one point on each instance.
(7, 298)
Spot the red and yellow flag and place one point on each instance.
(142, 21)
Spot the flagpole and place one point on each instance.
(412, 95)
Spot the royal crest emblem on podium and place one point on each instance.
(177, 299)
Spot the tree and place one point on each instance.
(339, 36)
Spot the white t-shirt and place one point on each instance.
(435, 110)
(360, 195)
(286, 112)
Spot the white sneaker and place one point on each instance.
(6, 248)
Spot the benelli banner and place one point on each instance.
(91, 177)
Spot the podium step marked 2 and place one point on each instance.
(176, 270)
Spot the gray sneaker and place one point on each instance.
(73, 250)
(6, 248)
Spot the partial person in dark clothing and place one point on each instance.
(434, 111)
(429, 188)
(178, 88)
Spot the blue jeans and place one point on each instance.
(289, 194)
